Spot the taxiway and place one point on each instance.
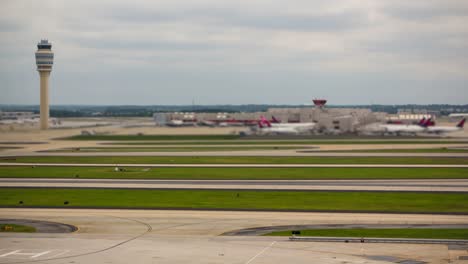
(425, 185)
(155, 236)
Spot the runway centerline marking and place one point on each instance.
(261, 252)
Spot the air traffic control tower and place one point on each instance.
(44, 61)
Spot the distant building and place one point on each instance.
(17, 115)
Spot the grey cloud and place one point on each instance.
(249, 19)
(10, 26)
(429, 10)
(335, 22)
(140, 44)
(420, 47)
(170, 53)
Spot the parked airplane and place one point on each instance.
(283, 128)
(277, 123)
(401, 129)
(265, 129)
(181, 123)
(446, 129)
(397, 128)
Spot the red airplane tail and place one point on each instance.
(260, 124)
(264, 121)
(275, 120)
(462, 123)
(428, 122)
(422, 121)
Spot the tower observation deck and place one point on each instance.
(44, 61)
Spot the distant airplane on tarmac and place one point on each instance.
(397, 128)
(445, 129)
(180, 123)
(277, 123)
(423, 126)
(283, 128)
(458, 115)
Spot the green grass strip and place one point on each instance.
(237, 160)
(172, 149)
(17, 228)
(232, 173)
(154, 137)
(429, 150)
(181, 148)
(434, 233)
(241, 200)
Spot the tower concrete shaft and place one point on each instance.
(44, 61)
(44, 109)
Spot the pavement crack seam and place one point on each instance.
(149, 228)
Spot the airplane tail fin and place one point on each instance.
(260, 124)
(427, 123)
(462, 123)
(264, 121)
(275, 120)
(422, 121)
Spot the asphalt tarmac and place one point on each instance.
(424, 185)
(264, 153)
(154, 236)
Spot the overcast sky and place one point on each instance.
(237, 52)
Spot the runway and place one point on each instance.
(152, 236)
(218, 165)
(425, 185)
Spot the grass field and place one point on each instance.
(182, 148)
(424, 150)
(233, 173)
(240, 200)
(154, 137)
(16, 228)
(174, 149)
(237, 160)
(434, 233)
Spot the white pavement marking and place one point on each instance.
(260, 253)
(59, 254)
(238, 165)
(18, 253)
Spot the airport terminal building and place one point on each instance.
(340, 120)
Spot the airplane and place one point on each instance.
(180, 123)
(265, 129)
(281, 128)
(208, 123)
(277, 123)
(399, 128)
(445, 129)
